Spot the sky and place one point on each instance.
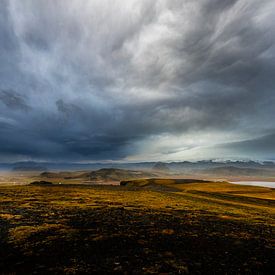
(137, 80)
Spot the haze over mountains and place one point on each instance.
(204, 164)
(122, 171)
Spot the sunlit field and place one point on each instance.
(144, 226)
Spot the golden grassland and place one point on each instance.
(148, 226)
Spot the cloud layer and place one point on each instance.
(136, 80)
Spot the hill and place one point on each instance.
(157, 182)
(112, 174)
(99, 176)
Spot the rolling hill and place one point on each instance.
(101, 175)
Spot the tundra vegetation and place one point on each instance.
(148, 226)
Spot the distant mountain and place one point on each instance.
(183, 166)
(61, 175)
(105, 175)
(206, 164)
(238, 171)
(161, 167)
(28, 166)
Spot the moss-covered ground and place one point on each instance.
(144, 227)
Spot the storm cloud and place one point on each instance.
(137, 80)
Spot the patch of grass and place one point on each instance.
(21, 233)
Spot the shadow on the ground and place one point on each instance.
(120, 240)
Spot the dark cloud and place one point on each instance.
(261, 147)
(142, 79)
(13, 100)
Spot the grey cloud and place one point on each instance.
(97, 79)
(13, 100)
(262, 147)
(68, 109)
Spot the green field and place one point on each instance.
(147, 226)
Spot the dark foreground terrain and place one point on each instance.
(195, 228)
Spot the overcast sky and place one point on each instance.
(137, 80)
